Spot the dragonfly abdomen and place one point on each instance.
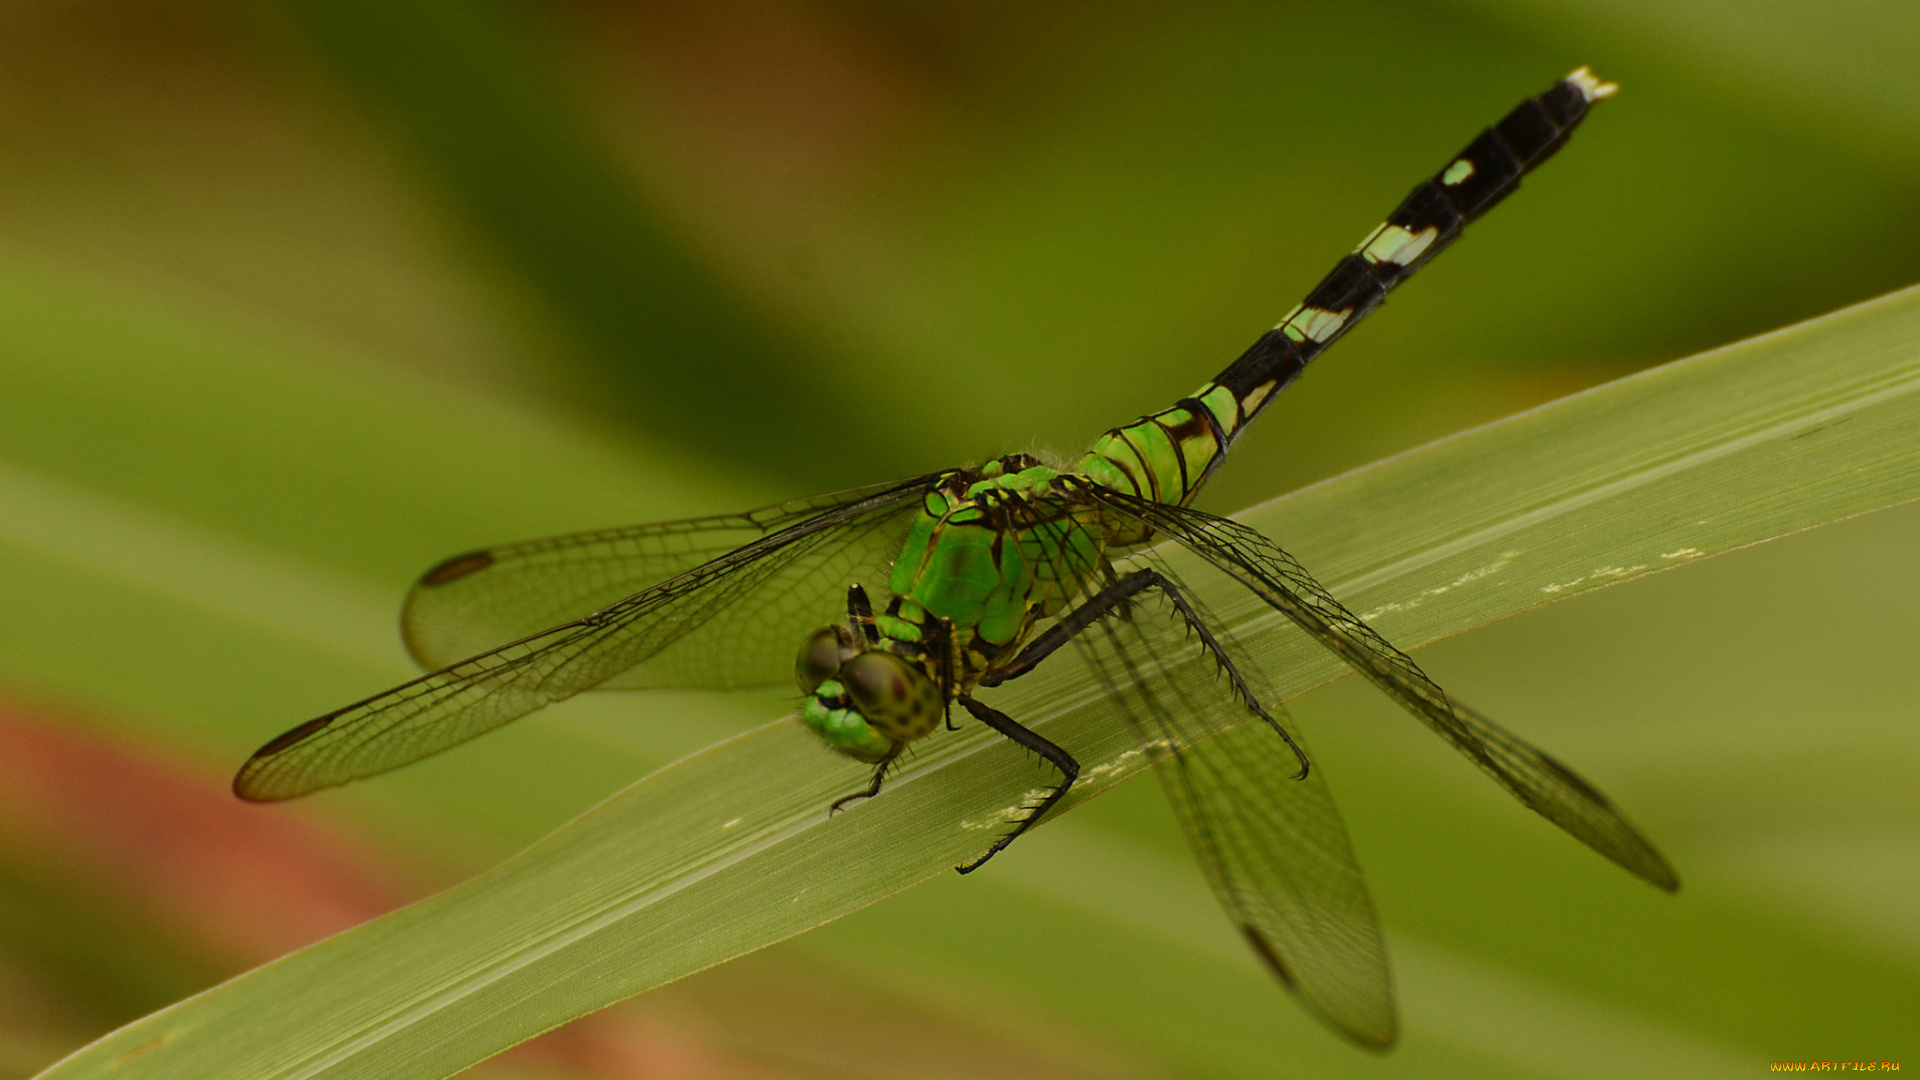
(1166, 456)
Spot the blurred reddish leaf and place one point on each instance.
(163, 838)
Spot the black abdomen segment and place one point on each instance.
(1430, 218)
(1487, 171)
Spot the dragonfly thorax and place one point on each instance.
(992, 551)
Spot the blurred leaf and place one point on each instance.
(1842, 70)
(1061, 217)
(203, 525)
(675, 351)
(730, 850)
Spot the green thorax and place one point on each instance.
(992, 551)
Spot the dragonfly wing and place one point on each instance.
(1272, 846)
(735, 620)
(1566, 798)
(1537, 780)
(427, 715)
(483, 599)
(1278, 857)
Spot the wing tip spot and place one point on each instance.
(1265, 948)
(291, 736)
(452, 570)
(247, 784)
(1379, 1039)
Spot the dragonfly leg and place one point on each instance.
(946, 645)
(1114, 599)
(1103, 603)
(1012, 729)
(879, 777)
(860, 615)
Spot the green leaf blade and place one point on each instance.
(732, 849)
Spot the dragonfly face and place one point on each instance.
(865, 703)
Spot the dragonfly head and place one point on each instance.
(864, 702)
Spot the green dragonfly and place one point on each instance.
(987, 572)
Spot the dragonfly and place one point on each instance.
(983, 574)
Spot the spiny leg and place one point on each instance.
(879, 776)
(1114, 598)
(945, 642)
(1106, 601)
(1069, 771)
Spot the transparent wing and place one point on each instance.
(735, 620)
(1537, 780)
(483, 599)
(1272, 846)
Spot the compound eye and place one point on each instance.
(821, 657)
(878, 682)
(894, 696)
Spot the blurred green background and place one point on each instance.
(297, 298)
